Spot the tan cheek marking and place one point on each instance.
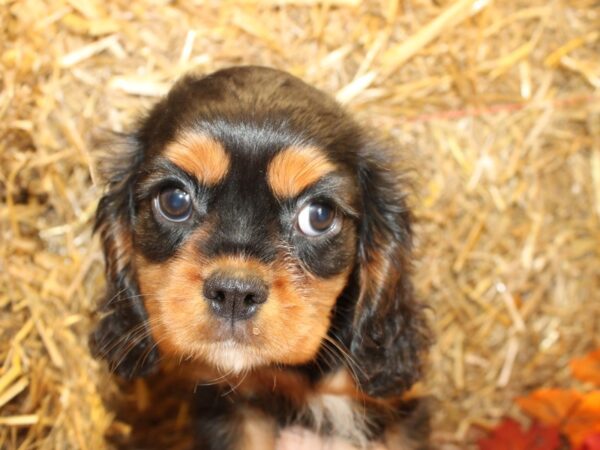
(298, 313)
(148, 276)
(171, 295)
(294, 169)
(201, 156)
(296, 319)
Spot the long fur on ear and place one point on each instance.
(122, 337)
(390, 333)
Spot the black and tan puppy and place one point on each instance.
(252, 227)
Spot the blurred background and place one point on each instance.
(495, 104)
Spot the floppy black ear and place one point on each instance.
(122, 337)
(390, 330)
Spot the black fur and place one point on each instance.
(122, 335)
(216, 425)
(390, 333)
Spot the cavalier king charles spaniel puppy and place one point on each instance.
(255, 231)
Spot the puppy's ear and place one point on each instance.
(390, 330)
(122, 337)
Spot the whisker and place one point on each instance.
(135, 339)
(233, 388)
(351, 363)
(214, 381)
(115, 301)
(149, 350)
(129, 340)
(110, 345)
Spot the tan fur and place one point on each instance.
(201, 156)
(294, 169)
(288, 327)
(121, 247)
(258, 430)
(396, 438)
(376, 275)
(337, 401)
(343, 383)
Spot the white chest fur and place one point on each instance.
(339, 416)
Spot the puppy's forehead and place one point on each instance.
(288, 170)
(265, 107)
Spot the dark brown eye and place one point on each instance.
(317, 218)
(173, 204)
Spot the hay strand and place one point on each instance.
(495, 103)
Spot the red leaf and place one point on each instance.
(510, 436)
(591, 442)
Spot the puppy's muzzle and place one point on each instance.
(235, 297)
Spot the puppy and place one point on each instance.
(253, 229)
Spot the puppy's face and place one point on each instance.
(249, 221)
(242, 245)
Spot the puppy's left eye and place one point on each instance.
(317, 218)
(174, 204)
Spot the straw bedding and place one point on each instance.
(496, 104)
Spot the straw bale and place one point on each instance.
(495, 103)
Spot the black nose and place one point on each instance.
(233, 297)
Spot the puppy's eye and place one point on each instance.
(173, 204)
(317, 218)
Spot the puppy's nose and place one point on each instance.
(234, 298)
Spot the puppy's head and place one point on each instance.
(248, 221)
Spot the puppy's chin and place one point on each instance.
(230, 356)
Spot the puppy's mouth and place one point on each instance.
(232, 345)
(233, 331)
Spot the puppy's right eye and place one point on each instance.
(317, 218)
(174, 204)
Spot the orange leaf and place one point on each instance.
(585, 420)
(587, 368)
(577, 415)
(550, 406)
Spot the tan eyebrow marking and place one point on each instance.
(200, 155)
(295, 168)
